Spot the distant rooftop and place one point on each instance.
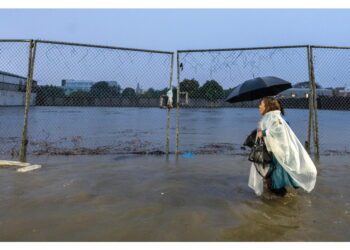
(305, 85)
(10, 74)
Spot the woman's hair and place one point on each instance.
(281, 107)
(272, 104)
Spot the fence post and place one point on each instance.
(24, 143)
(310, 99)
(316, 135)
(177, 103)
(169, 109)
(313, 104)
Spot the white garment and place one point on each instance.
(289, 152)
(256, 181)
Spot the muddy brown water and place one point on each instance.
(152, 198)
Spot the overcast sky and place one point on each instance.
(177, 29)
(172, 29)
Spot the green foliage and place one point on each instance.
(150, 93)
(174, 95)
(212, 91)
(80, 93)
(129, 93)
(43, 92)
(50, 91)
(227, 92)
(190, 86)
(102, 89)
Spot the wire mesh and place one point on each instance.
(208, 77)
(13, 75)
(332, 74)
(95, 100)
(89, 99)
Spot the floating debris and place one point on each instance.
(14, 163)
(188, 154)
(25, 166)
(28, 168)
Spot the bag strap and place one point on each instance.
(259, 140)
(269, 172)
(256, 168)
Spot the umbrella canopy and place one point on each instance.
(257, 88)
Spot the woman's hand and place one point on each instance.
(259, 134)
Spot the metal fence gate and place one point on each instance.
(14, 63)
(206, 77)
(65, 98)
(89, 99)
(332, 71)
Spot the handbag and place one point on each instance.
(250, 140)
(259, 153)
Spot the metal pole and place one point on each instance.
(315, 124)
(329, 47)
(14, 40)
(23, 149)
(252, 48)
(310, 99)
(104, 47)
(307, 142)
(169, 109)
(177, 104)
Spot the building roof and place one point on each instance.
(305, 85)
(10, 74)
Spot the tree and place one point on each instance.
(129, 93)
(174, 95)
(150, 93)
(80, 93)
(190, 86)
(44, 92)
(49, 91)
(115, 91)
(102, 89)
(212, 91)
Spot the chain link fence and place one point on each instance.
(207, 77)
(92, 99)
(332, 73)
(14, 56)
(89, 99)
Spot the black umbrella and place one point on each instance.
(257, 88)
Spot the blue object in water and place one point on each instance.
(188, 154)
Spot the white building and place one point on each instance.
(342, 91)
(71, 86)
(12, 90)
(9, 81)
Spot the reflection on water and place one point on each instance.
(150, 198)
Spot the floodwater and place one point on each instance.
(105, 130)
(152, 198)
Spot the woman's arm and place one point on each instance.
(261, 133)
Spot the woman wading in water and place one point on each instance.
(291, 165)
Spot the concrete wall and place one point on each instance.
(14, 98)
